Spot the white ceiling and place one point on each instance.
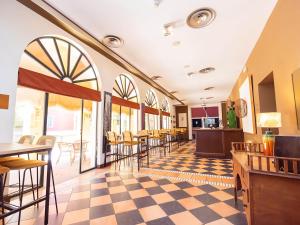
(225, 44)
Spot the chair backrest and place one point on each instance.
(46, 140)
(26, 139)
(111, 136)
(156, 133)
(127, 136)
(143, 132)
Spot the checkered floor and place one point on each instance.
(184, 159)
(131, 198)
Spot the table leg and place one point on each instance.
(138, 154)
(48, 188)
(147, 149)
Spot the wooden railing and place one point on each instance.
(248, 147)
(273, 164)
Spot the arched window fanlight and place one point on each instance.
(124, 88)
(58, 58)
(165, 105)
(151, 100)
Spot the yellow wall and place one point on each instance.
(277, 51)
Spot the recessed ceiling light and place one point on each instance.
(176, 43)
(191, 73)
(168, 29)
(156, 77)
(201, 17)
(113, 41)
(208, 88)
(207, 70)
(157, 3)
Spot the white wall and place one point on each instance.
(19, 25)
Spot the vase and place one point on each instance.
(268, 141)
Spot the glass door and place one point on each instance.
(88, 157)
(64, 120)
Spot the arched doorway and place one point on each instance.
(58, 89)
(151, 111)
(125, 105)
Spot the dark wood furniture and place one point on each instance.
(270, 193)
(216, 143)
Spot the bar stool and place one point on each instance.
(112, 141)
(128, 144)
(23, 165)
(3, 172)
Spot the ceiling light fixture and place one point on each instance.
(168, 29)
(208, 88)
(201, 17)
(191, 73)
(113, 41)
(207, 70)
(176, 43)
(156, 77)
(157, 3)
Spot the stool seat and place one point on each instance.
(23, 164)
(3, 170)
(9, 159)
(115, 142)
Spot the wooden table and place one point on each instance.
(139, 137)
(11, 149)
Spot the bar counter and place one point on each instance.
(216, 143)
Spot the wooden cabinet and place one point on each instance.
(216, 143)
(269, 195)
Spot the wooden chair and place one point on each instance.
(26, 139)
(128, 143)
(112, 142)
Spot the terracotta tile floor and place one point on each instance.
(127, 197)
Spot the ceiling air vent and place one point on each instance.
(201, 17)
(112, 41)
(207, 70)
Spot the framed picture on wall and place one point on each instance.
(182, 119)
(246, 93)
(107, 104)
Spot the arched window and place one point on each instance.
(151, 100)
(58, 58)
(151, 111)
(124, 88)
(58, 90)
(125, 105)
(165, 105)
